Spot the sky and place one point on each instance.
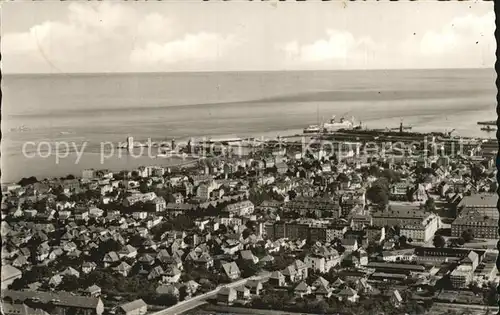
(74, 37)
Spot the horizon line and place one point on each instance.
(236, 71)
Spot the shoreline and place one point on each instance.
(90, 160)
(49, 167)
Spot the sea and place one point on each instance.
(49, 118)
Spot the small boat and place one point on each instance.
(19, 129)
(163, 155)
(488, 128)
(165, 152)
(312, 129)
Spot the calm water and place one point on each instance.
(96, 108)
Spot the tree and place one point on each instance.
(467, 235)
(222, 229)
(378, 193)
(247, 268)
(182, 223)
(347, 263)
(292, 194)
(143, 187)
(397, 230)
(62, 198)
(110, 245)
(374, 170)
(391, 175)
(460, 241)
(27, 181)
(491, 295)
(36, 273)
(476, 172)
(318, 307)
(430, 205)
(246, 233)
(18, 284)
(403, 241)
(166, 300)
(250, 225)
(342, 178)
(182, 293)
(136, 240)
(70, 283)
(438, 241)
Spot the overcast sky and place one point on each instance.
(224, 36)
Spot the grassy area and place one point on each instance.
(247, 311)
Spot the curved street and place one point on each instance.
(199, 300)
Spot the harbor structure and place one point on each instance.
(130, 143)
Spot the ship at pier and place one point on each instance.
(332, 126)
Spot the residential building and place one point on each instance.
(485, 204)
(241, 208)
(396, 299)
(375, 234)
(399, 215)
(62, 302)
(227, 295)
(302, 289)
(461, 277)
(231, 270)
(361, 220)
(137, 307)
(249, 256)
(88, 173)
(255, 286)
(9, 274)
(350, 245)
(335, 231)
(131, 200)
(205, 189)
(422, 232)
(322, 261)
(348, 294)
(437, 256)
(399, 191)
(305, 205)
(242, 292)
(93, 291)
(481, 226)
(277, 279)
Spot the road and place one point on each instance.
(199, 300)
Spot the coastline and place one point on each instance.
(52, 164)
(72, 166)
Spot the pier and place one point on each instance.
(487, 123)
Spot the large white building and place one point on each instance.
(245, 207)
(335, 231)
(130, 200)
(88, 173)
(422, 232)
(322, 259)
(205, 189)
(461, 277)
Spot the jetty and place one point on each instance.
(488, 123)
